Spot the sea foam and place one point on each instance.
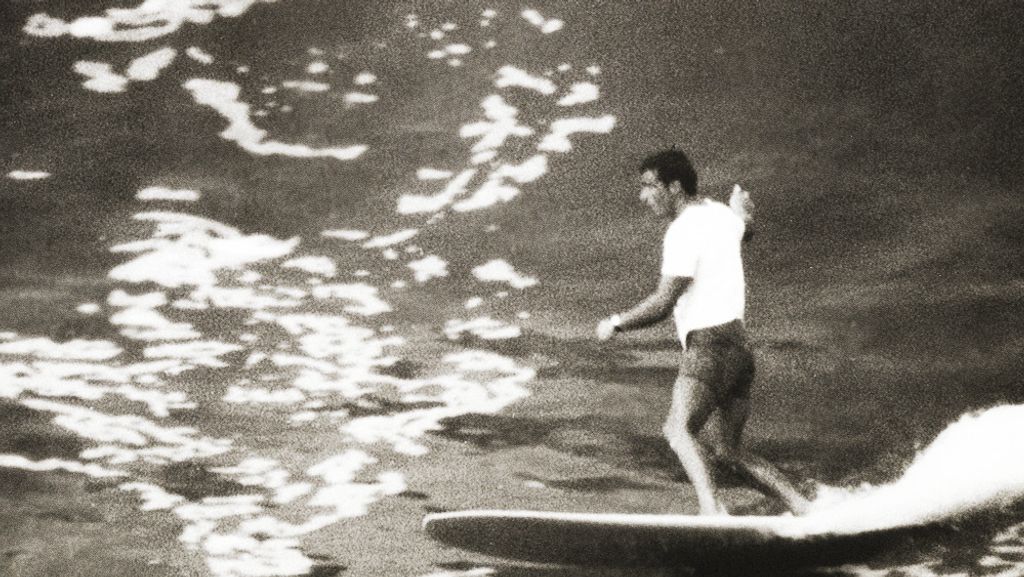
(973, 464)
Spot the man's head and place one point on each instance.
(665, 178)
(672, 166)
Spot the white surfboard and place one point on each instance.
(651, 540)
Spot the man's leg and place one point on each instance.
(762, 474)
(692, 404)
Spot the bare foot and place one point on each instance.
(718, 510)
(798, 505)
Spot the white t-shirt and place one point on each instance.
(703, 243)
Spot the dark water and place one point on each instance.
(881, 144)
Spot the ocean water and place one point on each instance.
(280, 277)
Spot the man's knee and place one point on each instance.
(690, 427)
(728, 457)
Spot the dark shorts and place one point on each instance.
(720, 359)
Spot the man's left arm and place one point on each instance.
(652, 310)
(743, 207)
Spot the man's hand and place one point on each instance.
(607, 328)
(740, 203)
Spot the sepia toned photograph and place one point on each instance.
(553, 288)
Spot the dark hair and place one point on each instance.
(672, 165)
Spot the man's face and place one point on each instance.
(655, 194)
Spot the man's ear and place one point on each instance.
(675, 187)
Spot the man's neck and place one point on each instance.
(685, 201)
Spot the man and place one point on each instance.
(702, 282)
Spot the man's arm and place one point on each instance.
(653, 309)
(743, 207)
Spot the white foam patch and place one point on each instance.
(306, 86)
(152, 19)
(266, 473)
(148, 67)
(483, 157)
(91, 470)
(473, 302)
(320, 265)
(146, 324)
(120, 298)
(429, 267)
(495, 190)
(460, 395)
(491, 192)
(317, 67)
(484, 327)
(90, 27)
(528, 171)
(348, 497)
(557, 140)
(344, 234)
(77, 349)
(457, 49)
(199, 55)
(580, 93)
(189, 250)
(512, 76)
(44, 26)
(223, 97)
(412, 204)
(499, 270)
(500, 125)
(545, 25)
(154, 498)
(252, 298)
(391, 239)
(129, 438)
(432, 174)
(360, 98)
(101, 77)
(170, 194)
(261, 544)
(364, 78)
(88, 308)
(92, 381)
(365, 301)
(28, 175)
(199, 353)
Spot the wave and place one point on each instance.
(973, 465)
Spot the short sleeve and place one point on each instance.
(680, 252)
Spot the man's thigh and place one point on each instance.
(725, 367)
(692, 400)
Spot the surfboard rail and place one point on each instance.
(652, 540)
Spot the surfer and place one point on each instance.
(702, 283)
